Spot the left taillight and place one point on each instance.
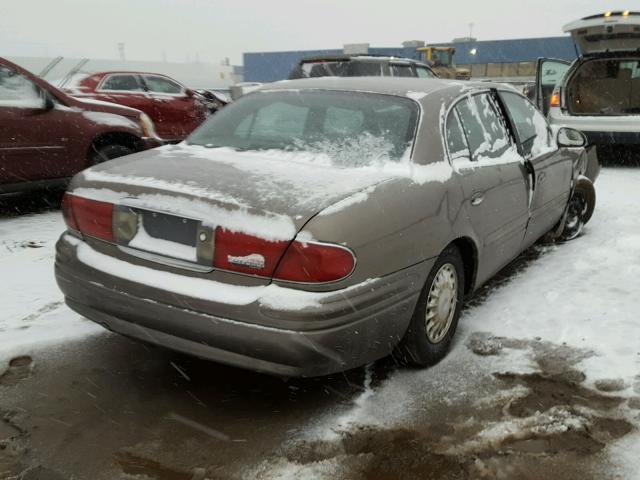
(89, 217)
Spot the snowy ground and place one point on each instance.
(543, 380)
(32, 311)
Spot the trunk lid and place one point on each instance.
(609, 32)
(265, 195)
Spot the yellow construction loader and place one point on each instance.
(441, 60)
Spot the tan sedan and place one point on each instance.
(318, 225)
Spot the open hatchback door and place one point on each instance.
(608, 32)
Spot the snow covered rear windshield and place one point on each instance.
(351, 128)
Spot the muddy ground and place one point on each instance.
(107, 408)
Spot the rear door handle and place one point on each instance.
(477, 199)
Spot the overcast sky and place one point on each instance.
(210, 30)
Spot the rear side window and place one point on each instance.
(456, 140)
(402, 70)
(18, 91)
(484, 126)
(364, 69)
(127, 83)
(531, 126)
(424, 72)
(157, 84)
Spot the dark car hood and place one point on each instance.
(271, 194)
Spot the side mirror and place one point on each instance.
(48, 103)
(189, 93)
(568, 137)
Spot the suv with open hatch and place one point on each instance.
(599, 93)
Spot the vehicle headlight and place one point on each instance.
(147, 126)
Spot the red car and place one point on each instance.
(175, 109)
(47, 136)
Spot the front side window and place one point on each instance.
(532, 128)
(126, 83)
(484, 126)
(157, 84)
(552, 72)
(348, 128)
(18, 91)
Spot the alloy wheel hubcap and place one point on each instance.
(441, 303)
(575, 214)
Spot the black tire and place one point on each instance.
(581, 207)
(416, 347)
(108, 152)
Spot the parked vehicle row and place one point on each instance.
(175, 109)
(47, 136)
(317, 225)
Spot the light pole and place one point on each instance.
(121, 51)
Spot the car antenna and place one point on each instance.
(50, 66)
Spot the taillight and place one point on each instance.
(555, 97)
(244, 253)
(67, 212)
(313, 262)
(308, 262)
(90, 217)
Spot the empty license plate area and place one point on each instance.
(164, 235)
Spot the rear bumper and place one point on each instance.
(613, 138)
(600, 130)
(354, 337)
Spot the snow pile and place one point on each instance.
(32, 312)
(302, 166)
(359, 151)
(238, 218)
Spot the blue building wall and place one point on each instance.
(274, 66)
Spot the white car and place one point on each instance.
(599, 93)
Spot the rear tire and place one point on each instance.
(580, 210)
(435, 319)
(108, 152)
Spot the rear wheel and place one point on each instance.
(435, 318)
(580, 209)
(108, 152)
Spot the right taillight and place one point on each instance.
(90, 217)
(296, 261)
(555, 97)
(313, 262)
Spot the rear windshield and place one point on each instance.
(349, 128)
(338, 68)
